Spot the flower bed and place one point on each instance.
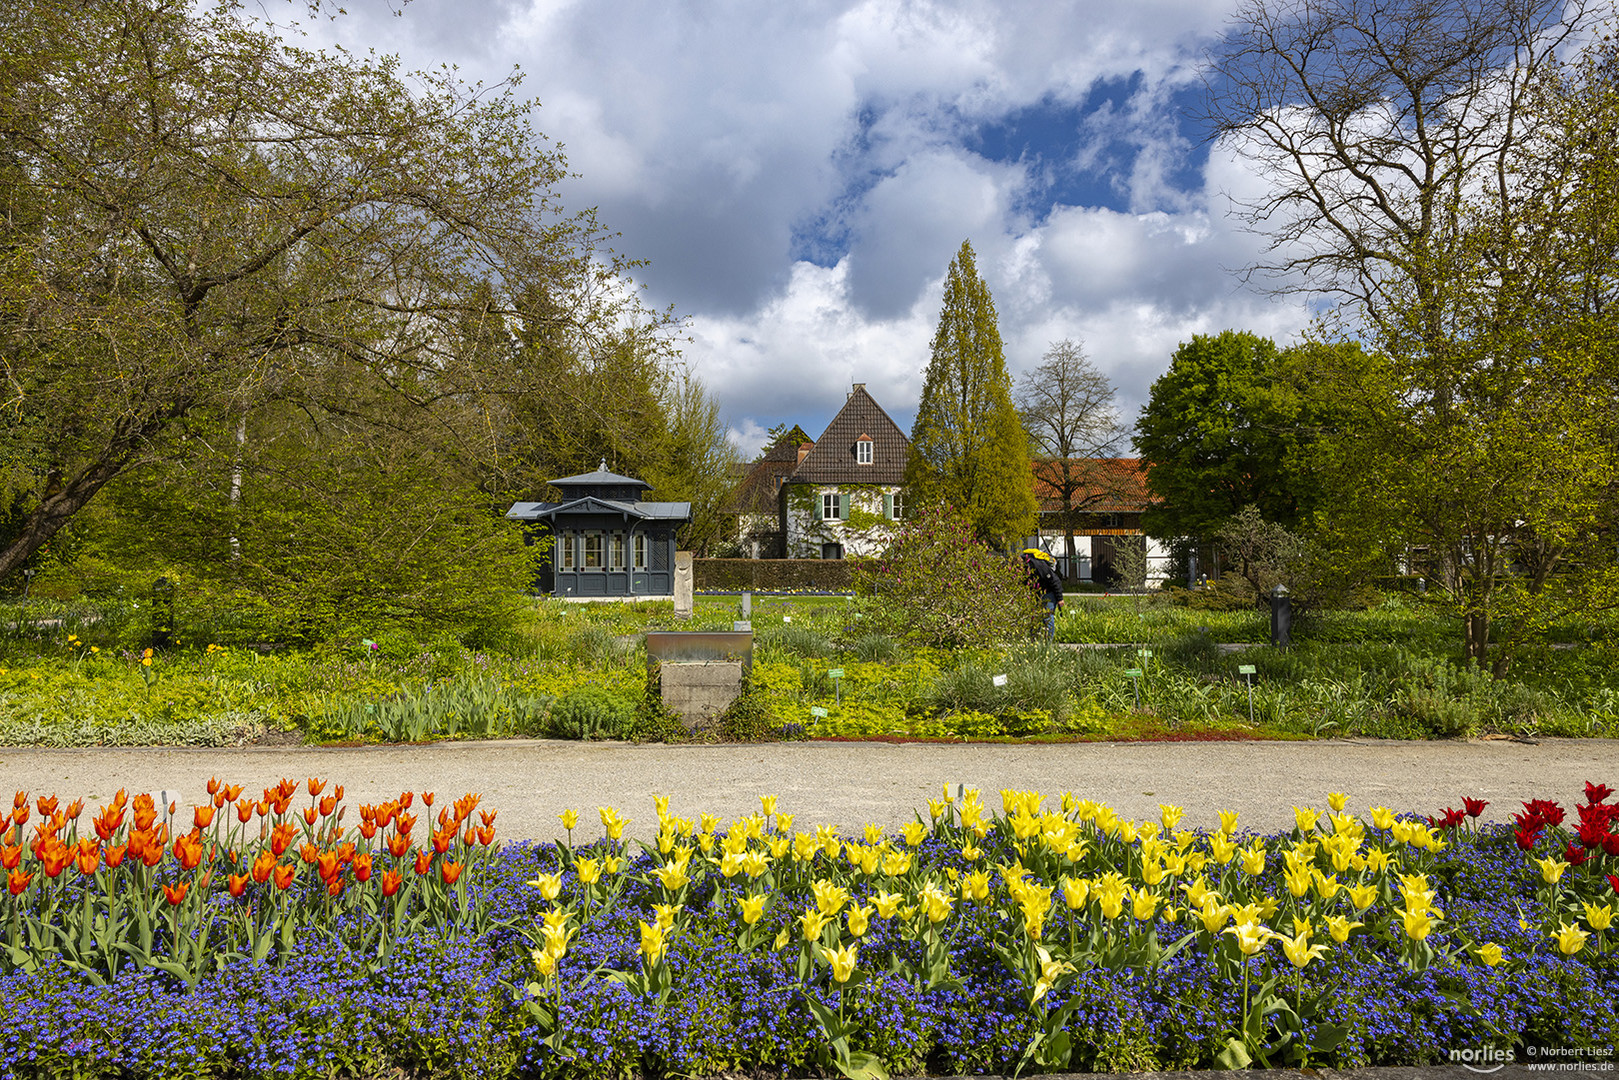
(270, 940)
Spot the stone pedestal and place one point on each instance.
(700, 690)
(683, 584)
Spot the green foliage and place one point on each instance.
(938, 586)
(590, 712)
(1224, 429)
(968, 447)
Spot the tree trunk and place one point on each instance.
(56, 510)
(1477, 636)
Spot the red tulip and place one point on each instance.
(1475, 807)
(1595, 793)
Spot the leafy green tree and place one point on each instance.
(968, 448)
(201, 221)
(1221, 431)
(1443, 169)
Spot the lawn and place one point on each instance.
(1143, 668)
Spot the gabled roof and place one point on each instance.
(599, 477)
(1110, 486)
(832, 459)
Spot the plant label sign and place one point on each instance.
(816, 710)
(835, 673)
(1134, 673)
(999, 680)
(1245, 669)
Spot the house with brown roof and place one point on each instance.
(1098, 502)
(839, 495)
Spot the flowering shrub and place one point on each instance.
(1033, 937)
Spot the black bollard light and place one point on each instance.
(1281, 617)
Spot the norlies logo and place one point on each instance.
(1481, 1060)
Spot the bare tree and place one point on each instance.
(1071, 415)
(1405, 142)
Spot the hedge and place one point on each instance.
(773, 575)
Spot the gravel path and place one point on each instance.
(850, 784)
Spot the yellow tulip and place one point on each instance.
(842, 961)
(1417, 924)
(1250, 937)
(1300, 952)
(753, 908)
(1050, 971)
(1302, 927)
(887, 903)
(672, 876)
(936, 808)
(874, 834)
(1222, 848)
(1170, 814)
(544, 963)
(897, 863)
(1377, 860)
(779, 846)
(975, 886)
(1382, 817)
(1152, 873)
(935, 904)
(914, 832)
(971, 853)
(550, 885)
(1145, 904)
(1489, 954)
(829, 898)
(1112, 901)
(1228, 822)
(1337, 800)
(590, 870)
(1268, 906)
(1253, 860)
(784, 822)
(1551, 869)
(1598, 918)
(612, 822)
(570, 819)
(782, 939)
(1297, 883)
(858, 918)
(1339, 927)
(1214, 914)
(769, 804)
(666, 914)
(652, 942)
(812, 922)
(661, 802)
(710, 822)
(1304, 818)
(1570, 939)
(1075, 891)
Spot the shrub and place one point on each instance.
(592, 713)
(935, 584)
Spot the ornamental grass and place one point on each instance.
(269, 939)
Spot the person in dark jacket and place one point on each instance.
(1042, 571)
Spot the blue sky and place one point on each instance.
(799, 175)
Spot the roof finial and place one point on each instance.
(603, 466)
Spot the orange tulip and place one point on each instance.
(284, 873)
(17, 882)
(391, 880)
(188, 849)
(202, 816)
(487, 817)
(398, 844)
(262, 807)
(237, 884)
(213, 785)
(175, 893)
(403, 823)
(315, 786)
(145, 811)
(232, 792)
(424, 861)
(327, 805)
(405, 799)
(281, 838)
(368, 829)
(310, 815)
(338, 792)
(486, 835)
(427, 798)
(334, 887)
(219, 800)
(113, 856)
(465, 805)
(108, 820)
(88, 856)
(262, 865)
(11, 856)
(308, 852)
(385, 814)
(74, 809)
(451, 872)
(244, 811)
(470, 837)
(21, 800)
(286, 789)
(55, 858)
(326, 865)
(442, 841)
(362, 868)
(20, 816)
(47, 806)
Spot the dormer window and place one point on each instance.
(862, 450)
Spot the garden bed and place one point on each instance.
(268, 940)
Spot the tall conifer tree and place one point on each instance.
(967, 447)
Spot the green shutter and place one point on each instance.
(888, 505)
(818, 503)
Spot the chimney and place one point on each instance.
(857, 386)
